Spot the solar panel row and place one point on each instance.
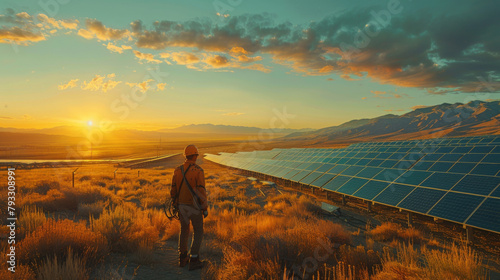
(454, 179)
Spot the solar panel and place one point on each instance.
(486, 169)
(336, 182)
(393, 194)
(371, 189)
(456, 179)
(352, 186)
(311, 177)
(456, 206)
(369, 172)
(421, 200)
(444, 181)
(413, 177)
(441, 166)
(477, 184)
(486, 216)
(461, 167)
(322, 180)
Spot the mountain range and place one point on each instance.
(458, 119)
(473, 118)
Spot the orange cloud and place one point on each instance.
(258, 67)
(161, 86)
(181, 58)
(70, 84)
(245, 59)
(146, 56)
(238, 50)
(114, 48)
(217, 61)
(100, 83)
(96, 29)
(18, 34)
(143, 86)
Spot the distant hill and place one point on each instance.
(473, 118)
(228, 129)
(60, 134)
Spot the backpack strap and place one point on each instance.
(183, 179)
(193, 193)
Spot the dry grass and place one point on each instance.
(456, 262)
(262, 244)
(115, 225)
(30, 219)
(53, 238)
(246, 236)
(91, 209)
(72, 268)
(393, 232)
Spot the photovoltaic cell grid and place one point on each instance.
(456, 179)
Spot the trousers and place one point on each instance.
(189, 214)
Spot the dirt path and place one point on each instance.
(165, 267)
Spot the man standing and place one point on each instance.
(189, 195)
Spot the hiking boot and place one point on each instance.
(195, 263)
(183, 259)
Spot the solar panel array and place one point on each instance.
(454, 179)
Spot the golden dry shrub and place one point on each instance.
(30, 219)
(55, 237)
(115, 225)
(72, 267)
(385, 232)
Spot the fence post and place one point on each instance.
(73, 173)
(114, 174)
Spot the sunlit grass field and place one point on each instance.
(67, 232)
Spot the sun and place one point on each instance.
(89, 123)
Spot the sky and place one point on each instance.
(310, 64)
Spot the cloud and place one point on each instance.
(217, 61)
(330, 79)
(238, 50)
(27, 117)
(146, 56)
(97, 29)
(181, 58)
(430, 49)
(419, 107)
(386, 95)
(426, 49)
(442, 91)
(363, 98)
(245, 59)
(113, 48)
(17, 34)
(258, 67)
(59, 24)
(70, 84)
(100, 83)
(348, 77)
(106, 82)
(69, 24)
(161, 86)
(6, 118)
(143, 86)
(233, 114)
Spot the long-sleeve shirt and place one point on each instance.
(196, 178)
